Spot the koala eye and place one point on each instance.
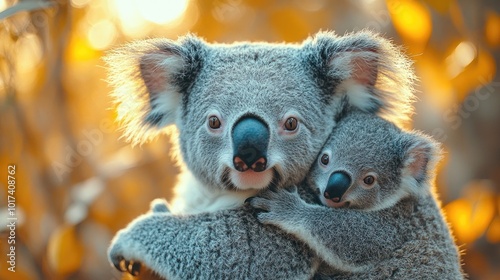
(213, 122)
(291, 124)
(325, 159)
(369, 180)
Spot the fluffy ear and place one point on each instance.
(149, 79)
(369, 70)
(420, 156)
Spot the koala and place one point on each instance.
(382, 219)
(252, 115)
(365, 211)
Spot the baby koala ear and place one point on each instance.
(149, 78)
(421, 154)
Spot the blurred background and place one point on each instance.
(77, 182)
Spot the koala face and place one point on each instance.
(368, 163)
(260, 114)
(251, 115)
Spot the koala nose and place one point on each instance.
(250, 140)
(338, 184)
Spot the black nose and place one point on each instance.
(250, 140)
(338, 184)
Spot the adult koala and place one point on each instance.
(251, 115)
(378, 219)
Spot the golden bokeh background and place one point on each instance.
(77, 182)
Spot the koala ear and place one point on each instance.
(150, 78)
(369, 70)
(420, 156)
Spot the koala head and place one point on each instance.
(368, 163)
(250, 115)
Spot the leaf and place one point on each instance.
(471, 215)
(475, 75)
(64, 251)
(411, 19)
(492, 29)
(493, 233)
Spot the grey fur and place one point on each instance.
(407, 239)
(160, 82)
(392, 229)
(229, 244)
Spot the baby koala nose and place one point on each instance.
(250, 138)
(338, 184)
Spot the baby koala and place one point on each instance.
(382, 220)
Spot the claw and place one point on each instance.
(118, 264)
(125, 264)
(249, 199)
(134, 268)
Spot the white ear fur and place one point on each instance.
(375, 74)
(357, 65)
(142, 76)
(358, 95)
(157, 71)
(419, 162)
(358, 72)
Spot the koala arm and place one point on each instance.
(346, 239)
(229, 244)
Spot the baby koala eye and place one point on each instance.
(325, 159)
(291, 124)
(213, 122)
(369, 180)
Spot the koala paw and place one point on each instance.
(122, 264)
(276, 206)
(132, 267)
(131, 244)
